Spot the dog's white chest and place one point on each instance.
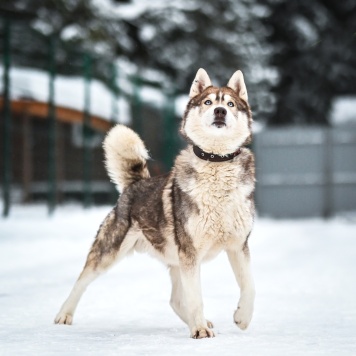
(225, 211)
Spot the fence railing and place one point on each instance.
(90, 68)
(304, 172)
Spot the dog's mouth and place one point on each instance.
(219, 123)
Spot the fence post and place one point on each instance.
(137, 105)
(328, 174)
(169, 129)
(115, 94)
(115, 90)
(7, 133)
(52, 128)
(87, 63)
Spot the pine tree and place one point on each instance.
(172, 38)
(315, 53)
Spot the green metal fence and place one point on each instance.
(6, 178)
(87, 68)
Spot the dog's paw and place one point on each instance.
(243, 316)
(210, 324)
(201, 333)
(63, 318)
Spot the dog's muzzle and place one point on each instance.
(220, 115)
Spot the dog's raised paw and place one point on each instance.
(203, 333)
(242, 317)
(66, 319)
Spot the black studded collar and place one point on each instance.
(212, 157)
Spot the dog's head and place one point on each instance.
(217, 119)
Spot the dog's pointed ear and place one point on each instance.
(201, 81)
(237, 83)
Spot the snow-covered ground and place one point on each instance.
(305, 274)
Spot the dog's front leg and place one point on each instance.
(240, 263)
(190, 278)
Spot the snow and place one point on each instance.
(33, 84)
(72, 31)
(306, 29)
(181, 104)
(343, 110)
(305, 281)
(136, 8)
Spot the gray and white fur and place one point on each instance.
(189, 215)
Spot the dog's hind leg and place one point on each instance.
(240, 263)
(112, 243)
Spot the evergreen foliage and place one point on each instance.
(296, 55)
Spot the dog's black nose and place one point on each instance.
(220, 112)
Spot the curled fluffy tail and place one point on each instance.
(125, 156)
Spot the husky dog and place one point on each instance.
(202, 207)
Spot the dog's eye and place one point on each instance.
(231, 104)
(207, 102)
